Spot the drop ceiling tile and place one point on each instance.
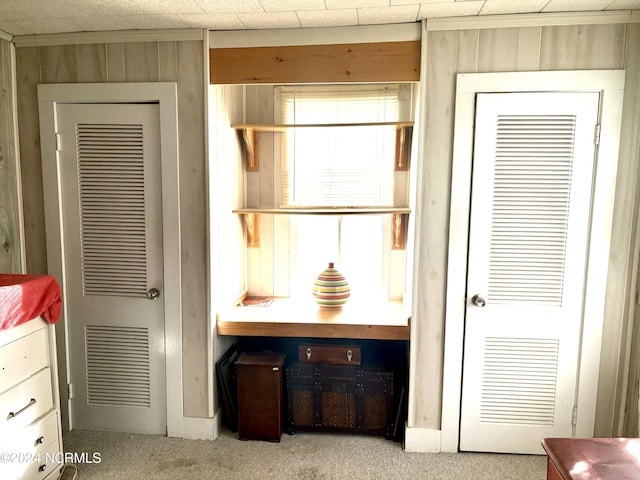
(155, 22)
(500, 7)
(259, 21)
(222, 21)
(448, 9)
(30, 10)
(43, 26)
(413, 2)
(11, 11)
(377, 16)
(329, 18)
(575, 5)
(292, 5)
(94, 23)
(625, 5)
(158, 7)
(81, 8)
(355, 3)
(230, 6)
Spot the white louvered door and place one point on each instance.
(530, 209)
(112, 222)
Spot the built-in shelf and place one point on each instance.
(282, 128)
(287, 317)
(250, 138)
(324, 210)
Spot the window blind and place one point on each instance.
(344, 165)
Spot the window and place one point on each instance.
(339, 166)
(342, 166)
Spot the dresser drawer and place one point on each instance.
(25, 402)
(47, 462)
(31, 445)
(22, 358)
(32, 438)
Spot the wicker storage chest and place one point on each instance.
(339, 398)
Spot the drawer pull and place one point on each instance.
(31, 403)
(43, 467)
(40, 440)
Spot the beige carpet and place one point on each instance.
(304, 456)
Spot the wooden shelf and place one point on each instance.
(249, 132)
(324, 210)
(290, 318)
(282, 128)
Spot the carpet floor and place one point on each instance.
(304, 456)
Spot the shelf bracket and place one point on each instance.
(252, 222)
(250, 139)
(403, 147)
(399, 223)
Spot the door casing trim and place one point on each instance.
(611, 84)
(165, 94)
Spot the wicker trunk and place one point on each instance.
(338, 398)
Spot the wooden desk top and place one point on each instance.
(290, 318)
(595, 458)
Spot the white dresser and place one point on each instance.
(30, 432)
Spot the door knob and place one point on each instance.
(153, 294)
(478, 301)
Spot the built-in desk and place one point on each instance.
(296, 318)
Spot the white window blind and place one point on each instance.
(339, 166)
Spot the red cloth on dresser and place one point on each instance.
(24, 297)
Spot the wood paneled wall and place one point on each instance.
(11, 260)
(630, 148)
(180, 62)
(514, 49)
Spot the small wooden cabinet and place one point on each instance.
(30, 433)
(260, 387)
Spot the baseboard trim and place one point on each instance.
(199, 428)
(426, 440)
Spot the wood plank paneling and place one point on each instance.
(498, 50)
(193, 201)
(528, 49)
(354, 62)
(10, 198)
(91, 63)
(58, 64)
(582, 47)
(511, 49)
(141, 62)
(167, 61)
(28, 77)
(559, 48)
(115, 62)
(630, 146)
(431, 247)
(181, 62)
(468, 42)
(601, 46)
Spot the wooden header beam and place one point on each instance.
(340, 63)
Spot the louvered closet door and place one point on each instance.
(111, 208)
(530, 208)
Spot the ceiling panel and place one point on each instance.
(23, 17)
